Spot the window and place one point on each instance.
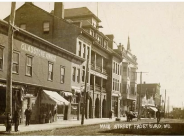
(78, 75)
(46, 27)
(118, 86)
(113, 84)
(74, 72)
(1, 58)
(92, 33)
(62, 74)
(23, 26)
(114, 68)
(84, 51)
(132, 90)
(105, 44)
(29, 66)
(118, 69)
(50, 73)
(88, 52)
(15, 62)
(80, 48)
(124, 88)
(83, 73)
(124, 71)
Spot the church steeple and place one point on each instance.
(128, 45)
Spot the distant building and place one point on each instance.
(150, 98)
(129, 78)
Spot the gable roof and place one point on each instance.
(76, 12)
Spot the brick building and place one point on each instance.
(77, 30)
(150, 99)
(41, 72)
(129, 78)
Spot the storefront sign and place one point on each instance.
(38, 52)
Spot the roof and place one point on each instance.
(76, 12)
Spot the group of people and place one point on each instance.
(16, 119)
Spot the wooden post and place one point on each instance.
(10, 56)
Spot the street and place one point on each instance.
(117, 128)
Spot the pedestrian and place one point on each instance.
(28, 113)
(158, 116)
(8, 122)
(110, 114)
(16, 119)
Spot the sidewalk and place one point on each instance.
(58, 124)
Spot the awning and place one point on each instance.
(154, 109)
(51, 97)
(116, 94)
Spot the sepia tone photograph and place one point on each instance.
(91, 68)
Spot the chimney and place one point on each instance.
(59, 9)
(28, 3)
(110, 43)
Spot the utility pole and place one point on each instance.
(164, 103)
(85, 91)
(10, 56)
(139, 106)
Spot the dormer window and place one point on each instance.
(46, 27)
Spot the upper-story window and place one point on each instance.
(78, 75)
(50, 71)
(88, 51)
(29, 65)
(80, 45)
(100, 40)
(94, 22)
(92, 33)
(15, 62)
(74, 72)
(23, 26)
(124, 71)
(114, 66)
(83, 73)
(105, 44)
(1, 58)
(84, 51)
(62, 74)
(46, 27)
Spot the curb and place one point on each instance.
(51, 129)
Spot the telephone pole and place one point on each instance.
(139, 106)
(10, 56)
(84, 97)
(164, 104)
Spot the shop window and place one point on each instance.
(50, 71)
(29, 65)
(15, 62)
(62, 74)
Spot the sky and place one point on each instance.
(156, 32)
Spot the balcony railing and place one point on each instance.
(98, 68)
(97, 88)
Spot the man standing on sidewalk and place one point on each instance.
(158, 116)
(28, 113)
(16, 119)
